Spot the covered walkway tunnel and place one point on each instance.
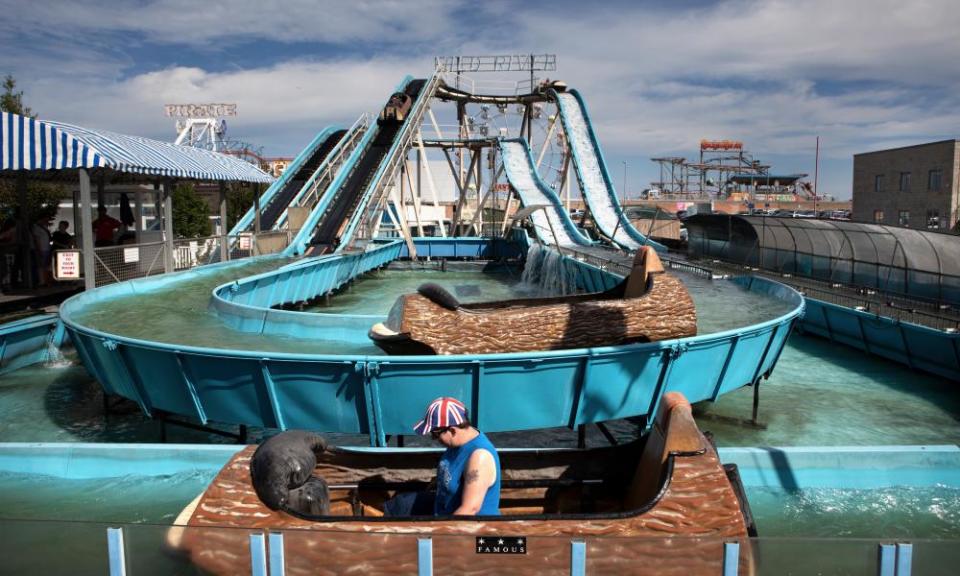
(915, 263)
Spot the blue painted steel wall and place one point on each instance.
(28, 341)
(465, 247)
(916, 346)
(382, 395)
(247, 304)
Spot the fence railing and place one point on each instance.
(130, 261)
(117, 548)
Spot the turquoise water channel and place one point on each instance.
(181, 315)
(820, 394)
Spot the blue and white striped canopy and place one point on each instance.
(28, 144)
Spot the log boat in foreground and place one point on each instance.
(661, 505)
(649, 305)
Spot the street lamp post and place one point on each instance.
(624, 193)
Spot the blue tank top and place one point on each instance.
(450, 477)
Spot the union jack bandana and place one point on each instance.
(442, 413)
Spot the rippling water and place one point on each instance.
(180, 314)
(901, 512)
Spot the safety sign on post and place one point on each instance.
(67, 265)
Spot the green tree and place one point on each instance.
(191, 215)
(11, 100)
(239, 200)
(42, 198)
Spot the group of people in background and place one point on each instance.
(34, 244)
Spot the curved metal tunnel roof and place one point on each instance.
(918, 250)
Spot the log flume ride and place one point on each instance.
(662, 505)
(649, 305)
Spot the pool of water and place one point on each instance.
(180, 314)
(819, 394)
(900, 512)
(130, 499)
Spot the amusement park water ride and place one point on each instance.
(362, 182)
(650, 494)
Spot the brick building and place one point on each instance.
(914, 186)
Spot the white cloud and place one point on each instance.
(300, 96)
(775, 73)
(230, 21)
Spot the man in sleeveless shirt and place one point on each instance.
(468, 475)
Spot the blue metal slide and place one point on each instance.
(595, 183)
(280, 194)
(332, 220)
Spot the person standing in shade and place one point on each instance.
(60, 237)
(104, 228)
(40, 239)
(468, 475)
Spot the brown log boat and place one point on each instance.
(649, 305)
(661, 505)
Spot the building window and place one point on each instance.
(878, 183)
(933, 219)
(904, 181)
(878, 216)
(934, 179)
(904, 218)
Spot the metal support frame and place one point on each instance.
(895, 559)
(731, 558)
(86, 238)
(224, 248)
(116, 552)
(578, 558)
(275, 550)
(168, 264)
(424, 557)
(258, 555)
(423, 161)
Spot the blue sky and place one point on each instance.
(657, 77)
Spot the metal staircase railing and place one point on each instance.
(361, 230)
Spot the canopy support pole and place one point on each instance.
(224, 249)
(167, 226)
(86, 230)
(28, 256)
(138, 204)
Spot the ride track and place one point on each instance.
(382, 395)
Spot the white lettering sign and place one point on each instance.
(199, 110)
(246, 241)
(67, 265)
(131, 255)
